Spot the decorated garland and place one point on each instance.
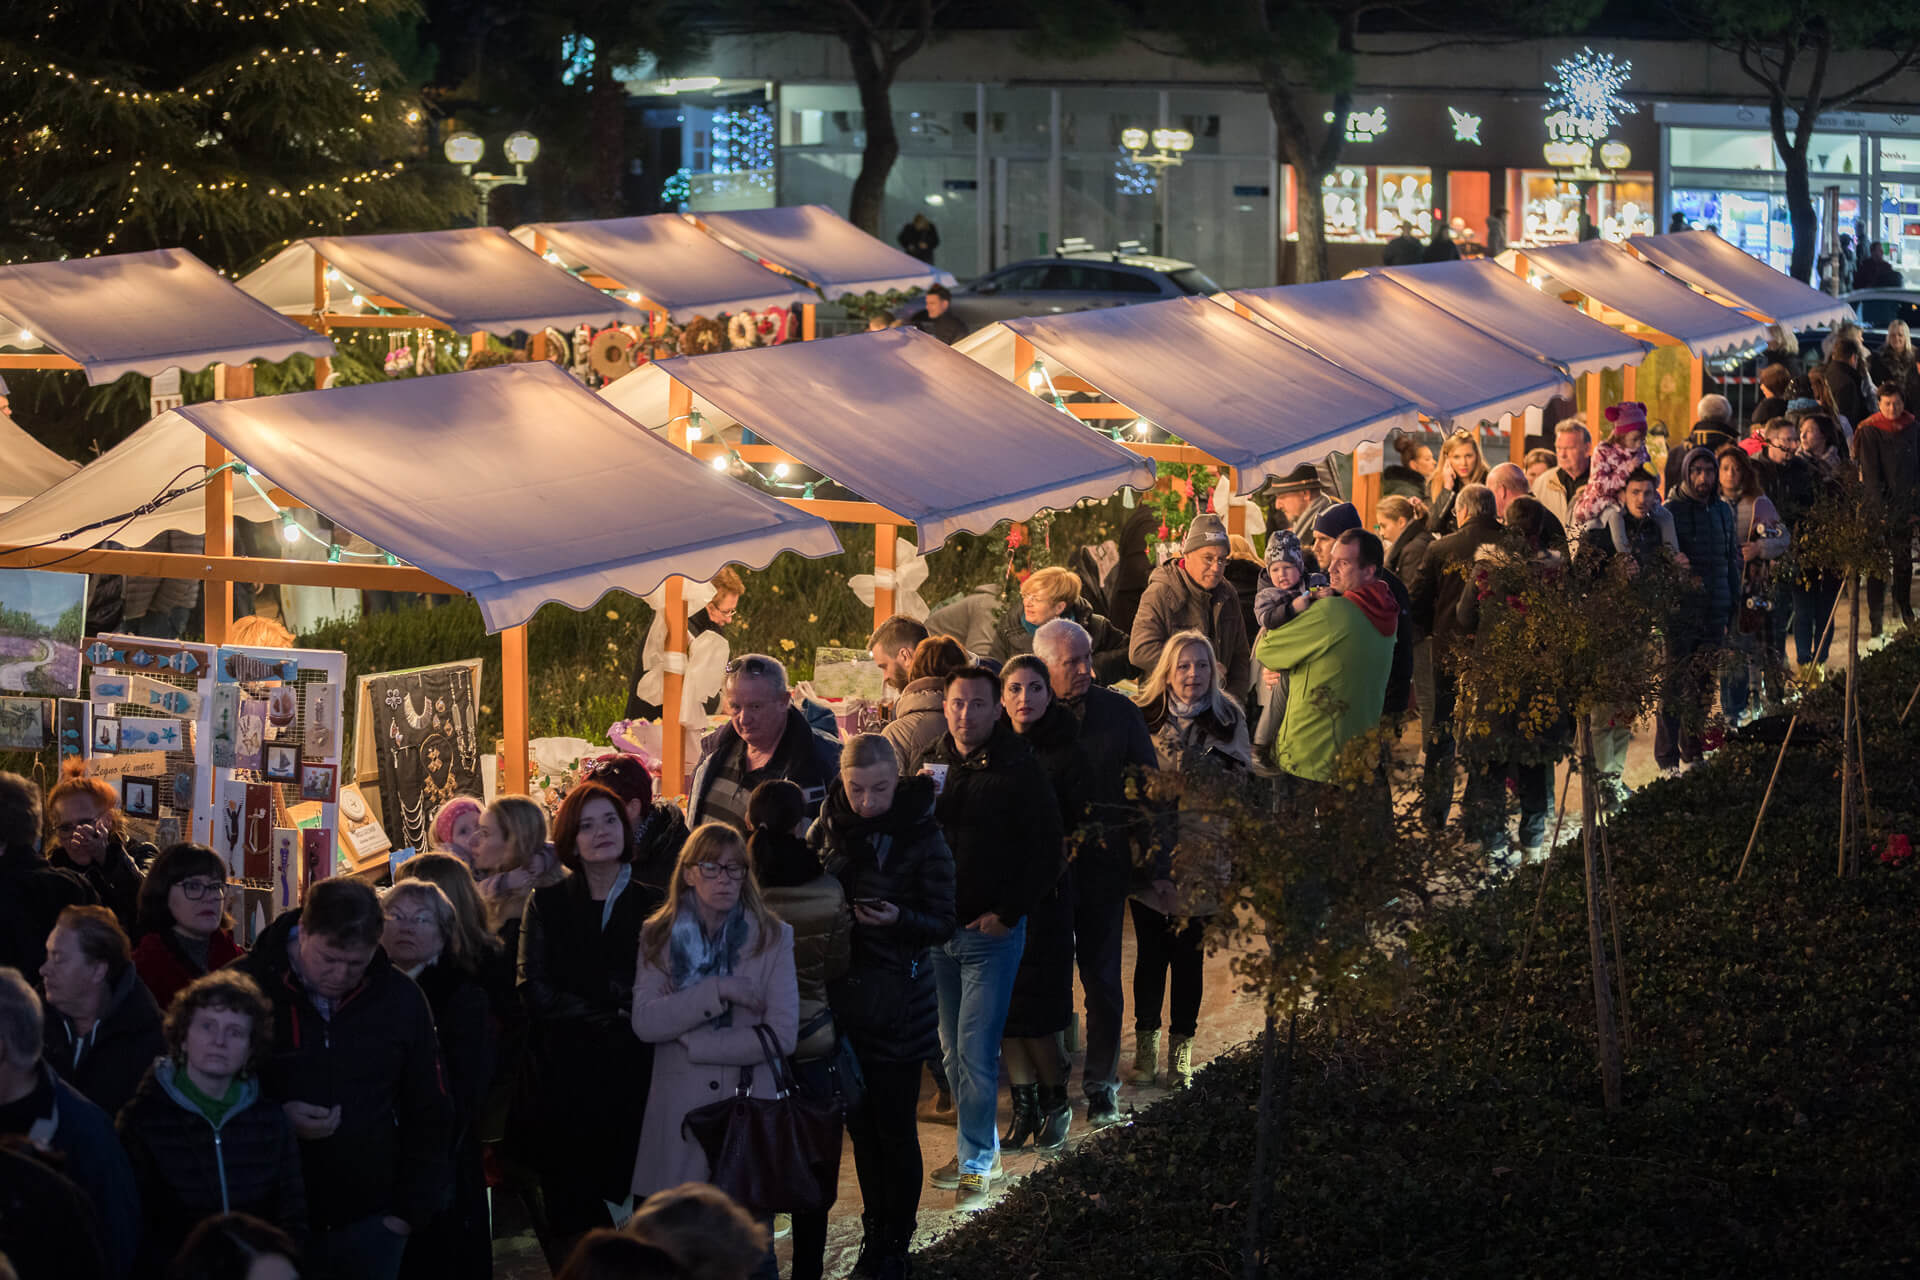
(701, 336)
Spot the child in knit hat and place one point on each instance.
(1286, 582)
(1625, 451)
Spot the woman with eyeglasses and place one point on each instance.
(424, 938)
(90, 840)
(1461, 464)
(590, 1073)
(183, 926)
(715, 964)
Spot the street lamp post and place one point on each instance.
(1170, 149)
(465, 150)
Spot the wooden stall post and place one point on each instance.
(230, 382)
(883, 567)
(322, 365)
(1368, 457)
(1516, 425)
(1629, 389)
(1696, 385)
(673, 763)
(514, 703)
(809, 322)
(1594, 397)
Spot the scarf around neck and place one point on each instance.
(694, 956)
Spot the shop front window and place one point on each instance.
(1549, 209)
(1343, 195)
(1406, 196)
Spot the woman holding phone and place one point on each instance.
(876, 834)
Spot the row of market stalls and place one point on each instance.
(520, 487)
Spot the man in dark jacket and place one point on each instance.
(1713, 431)
(1704, 527)
(1403, 250)
(102, 1025)
(937, 317)
(33, 892)
(356, 1065)
(1002, 823)
(767, 737)
(1846, 375)
(36, 1104)
(1888, 447)
(1434, 602)
(1299, 498)
(48, 1227)
(1114, 735)
(1192, 594)
(1777, 381)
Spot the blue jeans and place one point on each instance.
(974, 975)
(364, 1251)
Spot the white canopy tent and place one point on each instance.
(646, 395)
(668, 262)
(915, 428)
(822, 248)
(460, 476)
(1704, 260)
(1498, 302)
(1614, 278)
(471, 280)
(1251, 399)
(140, 313)
(1374, 328)
(31, 468)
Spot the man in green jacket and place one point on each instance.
(1337, 650)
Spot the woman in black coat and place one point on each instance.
(579, 947)
(1042, 1004)
(877, 835)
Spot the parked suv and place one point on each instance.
(1077, 277)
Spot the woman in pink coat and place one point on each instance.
(714, 962)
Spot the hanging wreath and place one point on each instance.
(742, 331)
(776, 325)
(702, 336)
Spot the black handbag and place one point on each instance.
(778, 1154)
(834, 1077)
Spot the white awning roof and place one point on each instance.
(643, 395)
(904, 422)
(31, 468)
(1498, 302)
(515, 484)
(143, 313)
(1372, 327)
(991, 345)
(1703, 259)
(1247, 396)
(820, 246)
(471, 279)
(1609, 274)
(670, 262)
(167, 453)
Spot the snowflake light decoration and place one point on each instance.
(1584, 98)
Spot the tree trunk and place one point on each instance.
(1800, 212)
(607, 129)
(1608, 1033)
(868, 202)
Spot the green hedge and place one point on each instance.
(1772, 1124)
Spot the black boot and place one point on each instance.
(1056, 1117)
(895, 1261)
(875, 1239)
(1026, 1116)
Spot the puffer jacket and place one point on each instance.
(1705, 532)
(919, 720)
(162, 595)
(190, 1169)
(1174, 602)
(1199, 864)
(1002, 823)
(656, 843)
(901, 858)
(106, 1064)
(1011, 638)
(822, 926)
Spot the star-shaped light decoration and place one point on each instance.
(1466, 126)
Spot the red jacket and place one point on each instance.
(165, 968)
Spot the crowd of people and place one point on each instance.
(540, 1003)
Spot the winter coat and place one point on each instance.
(1002, 822)
(656, 843)
(1407, 551)
(946, 326)
(1902, 373)
(1344, 646)
(190, 1169)
(1246, 577)
(1711, 436)
(114, 876)
(822, 925)
(1174, 602)
(1441, 519)
(1128, 580)
(969, 619)
(1851, 396)
(164, 965)
(458, 1240)
(163, 595)
(1645, 542)
(1199, 864)
(919, 718)
(33, 893)
(81, 1135)
(1557, 493)
(1705, 530)
(107, 1063)
(805, 757)
(1400, 671)
(1042, 1000)
(1793, 485)
(901, 858)
(376, 1059)
(1302, 525)
(696, 1062)
(1011, 637)
(1114, 737)
(589, 1071)
(1889, 457)
(1436, 593)
(1402, 251)
(49, 1229)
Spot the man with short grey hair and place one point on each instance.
(765, 737)
(1558, 487)
(1508, 482)
(1114, 735)
(37, 1105)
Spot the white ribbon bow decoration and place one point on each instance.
(1224, 496)
(909, 573)
(704, 666)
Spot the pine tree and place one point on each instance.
(221, 126)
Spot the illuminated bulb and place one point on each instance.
(694, 433)
(633, 297)
(288, 529)
(359, 301)
(779, 471)
(26, 335)
(1141, 426)
(720, 462)
(1036, 377)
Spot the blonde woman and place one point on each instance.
(1051, 593)
(511, 858)
(714, 964)
(1461, 464)
(1196, 727)
(1897, 364)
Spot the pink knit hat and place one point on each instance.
(1628, 415)
(441, 828)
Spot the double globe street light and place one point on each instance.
(466, 148)
(1170, 147)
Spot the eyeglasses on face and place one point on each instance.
(418, 919)
(198, 888)
(714, 870)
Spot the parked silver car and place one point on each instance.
(1077, 278)
(1877, 308)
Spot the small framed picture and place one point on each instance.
(139, 797)
(317, 782)
(281, 763)
(106, 733)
